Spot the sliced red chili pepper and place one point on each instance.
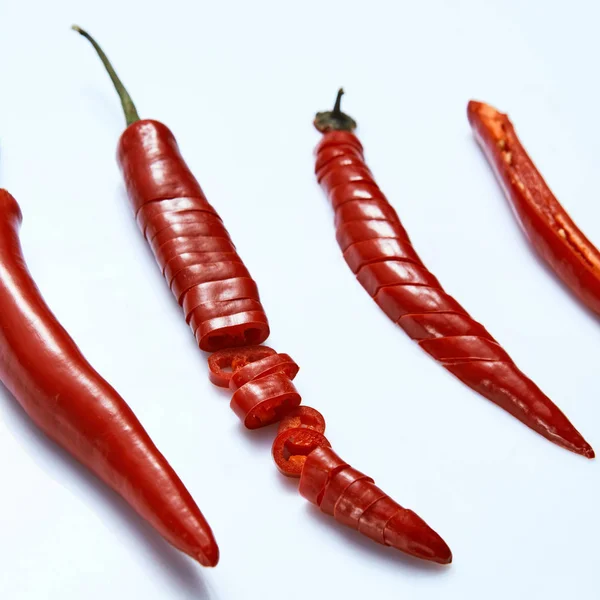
(276, 363)
(292, 446)
(548, 226)
(332, 152)
(399, 300)
(264, 401)
(151, 210)
(242, 329)
(336, 487)
(337, 139)
(373, 521)
(320, 466)
(356, 190)
(174, 248)
(471, 347)
(224, 363)
(374, 276)
(365, 210)
(435, 325)
(347, 160)
(355, 500)
(345, 176)
(363, 253)
(302, 417)
(359, 231)
(188, 230)
(188, 259)
(213, 310)
(176, 219)
(218, 291)
(203, 273)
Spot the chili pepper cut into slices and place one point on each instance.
(68, 400)
(547, 225)
(379, 252)
(192, 247)
(263, 393)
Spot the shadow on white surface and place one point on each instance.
(126, 521)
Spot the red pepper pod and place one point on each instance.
(203, 273)
(152, 165)
(355, 500)
(178, 246)
(148, 212)
(320, 466)
(466, 347)
(340, 162)
(363, 253)
(373, 521)
(365, 210)
(275, 363)
(356, 190)
(332, 152)
(399, 300)
(264, 401)
(212, 310)
(189, 259)
(348, 175)
(43, 368)
(292, 446)
(238, 288)
(338, 138)
(247, 328)
(303, 417)
(438, 325)
(188, 217)
(374, 276)
(547, 225)
(505, 385)
(224, 363)
(188, 230)
(407, 532)
(360, 231)
(337, 485)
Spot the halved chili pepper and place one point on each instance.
(62, 393)
(547, 225)
(292, 446)
(354, 499)
(380, 253)
(176, 219)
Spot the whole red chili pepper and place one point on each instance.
(61, 392)
(191, 245)
(545, 222)
(379, 252)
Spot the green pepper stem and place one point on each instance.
(131, 114)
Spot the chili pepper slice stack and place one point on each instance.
(379, 252)
(221, 303)
(547, 225)
(66, 398)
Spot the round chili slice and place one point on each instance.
(223, 363)
(292, 446)
(276, 363)
(247, 328)
(303, 417)
(265, 400)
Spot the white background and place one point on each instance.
(238, 83)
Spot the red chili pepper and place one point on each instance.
(180, 225)
(354, 500)
(292, 446)
(302, 417)
(61, 392)
(547, 225)
(379, 251)
(277, 363)
(224, 363)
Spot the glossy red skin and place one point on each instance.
(328, 481)
(549, 228)
(61, 392)
(292, 446)
(214, 310)
(413, 298)
(302, 417)
(234, 359)
(365, 210)
(185, 233)
(275, 363)
(265, 400)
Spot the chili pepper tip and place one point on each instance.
(335, 120)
